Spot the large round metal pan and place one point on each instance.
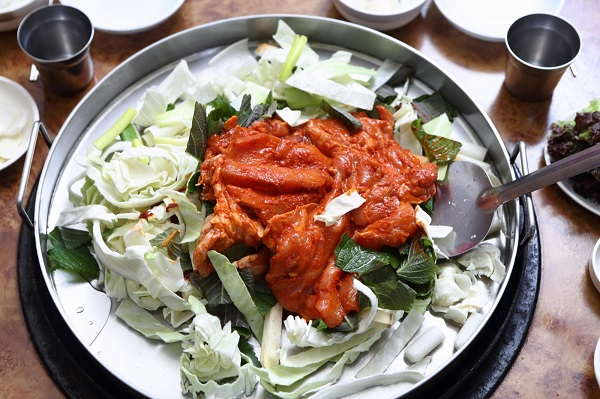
(149, 367)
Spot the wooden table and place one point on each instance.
(557, 358)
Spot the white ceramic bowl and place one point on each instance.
(13, 94)
(597, 362)
(383, 20)
(594, 265)
(595, 275)
(11, 16)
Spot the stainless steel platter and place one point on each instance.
(149, 367)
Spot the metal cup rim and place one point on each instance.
(539, 67)
(78, 54)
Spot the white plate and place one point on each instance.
(594, 267)
(490, 19)
(129, 16)
(597, 361)
(14, 94)
(567, 187)
(11, 16)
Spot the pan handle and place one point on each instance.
(527, 201)
(38, 127)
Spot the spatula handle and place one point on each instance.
(565, 168)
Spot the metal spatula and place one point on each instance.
(466, 200)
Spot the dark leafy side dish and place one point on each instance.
(572, 136)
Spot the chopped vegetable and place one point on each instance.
(403, 134)
(438, 149)
(212, 364)
(430, 106)
(457, 293)
(353, 258)
(394, 345)
(484, 260)
(69, 255)
(237, 291)
(295, 375)
(339, 206)
(199, 133)
(336, 80)
(433, 232)
(293, 56)
(116, 129)
(142, 321)
(336, 112)
(271, 339)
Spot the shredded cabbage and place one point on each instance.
(235, 287)
(145, 323)
(394, 345)
(335, 81)
(295, 375)
(211, 358)
(156, 99)
(136, 177)
(339, 206)
(285, 39)
(458, 293)
(161, 276)
(484, 260)
(433, 232)
(403, 134)
(346, 388)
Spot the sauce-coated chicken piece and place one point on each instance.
(269, 181)
(253, 175)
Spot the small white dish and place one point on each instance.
(12, 14)
(489, 20)
(14, 95)
(383, 20)
(594, 267)
(126, 17)
(597, 362)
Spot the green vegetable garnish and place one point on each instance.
(430, 106)
(349, 120)
(116, 129)
(293, 56)
(196, 145)
(68, 249)
(396, 278)
(352, 258)
(440, 150)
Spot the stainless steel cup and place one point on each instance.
(540, 48)
(57, 38)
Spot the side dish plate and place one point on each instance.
(14, 98)
(151, 367)
(126, 17)
(568, 188)
(489, 19)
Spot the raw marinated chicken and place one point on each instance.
(269, 181)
